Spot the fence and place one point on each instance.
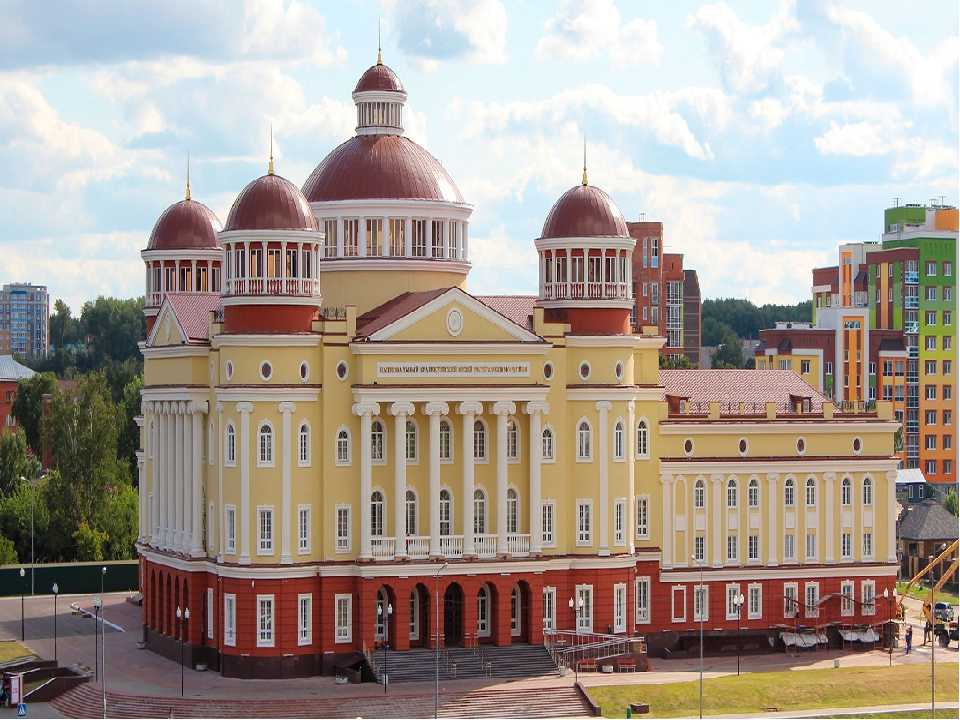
(72, 578)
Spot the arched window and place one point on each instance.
(753, 493)
(513, 440)
(446, 513)
(618, 441)
(230, 446)
(583, 440)
(376, 441)
(643, 447)
(265, 445)
(811, 492)
(411, 440)
(698, 491)
(479, 512)
(411, 513)
(867, 491)
(547, 449)
(483, 612)
(479, 440)
(846, 491)
(731, 493)
(343, 446)
(376, 514)
(788, 492)
(303, 446)
(513, 511)
(446, 441)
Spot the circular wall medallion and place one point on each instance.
(454, 322)
(801, 446)
(342, 370)
(266, 370)
(618, 370)
(548, 370)
(584, 370)
(304, 371)
(688, 446)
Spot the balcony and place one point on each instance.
(154, 299)
(518, 544)
(486, 545)
(911, 277)
(911, 328)
(383, 548)
(586, 290)
(911, 302)
(296, 287)
(418, 547)
(451, 546)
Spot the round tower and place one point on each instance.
(585, 269)
(393, 219)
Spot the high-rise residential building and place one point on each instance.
(883, 330)
(24, 319)
(666, 295)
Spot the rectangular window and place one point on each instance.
(585, 608)
(230, 527)
(643, 600)
(304, 619)
(790, 600)
(753, 547)
(264, 620)
(846, 551)
(947, 293)
(930, 367)
(731, 548)
(547, 510)
(303, 529)
(343, 618)
(584, 508)
(930, 442)
(948, 417)
(789, 547)
(948, 442)
(230, 619)
(867, 545)
(619, 522)
(549, 608)
(620, 607)
(811, 594)
(701, 603)
(210, 614)
(811, 544)
(643, 506)
(947, 268)
(678, 603)
(948, 367)
(343, 529)
(846, 598)
(755, 602)
(733, 597)
(868, 597)
(804, 366)
(698, 548)
(931, 317)
(265, 530)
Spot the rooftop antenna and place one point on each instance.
(583, 180)
(270, 164)
(643, 215)
(187, 193)
(379, 43)
(896, 201)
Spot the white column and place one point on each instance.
(631, 510)
(143, 521)
(340, 236)
(366, 411)
(385, 243)
(502, 410)
(286, 409)
(535, 410)
(177, 523)
(466, 237)
(400, 411)
(469, 411)
(891, 517)
(717, 512)
(157, 449)
(362, 237)
(199, 410)
(445, 234)
(773, 536)
(408, 236)
(827, 516)
(185, 493)
(434, 410)
(244, 408)
(219, 461)
(166, 475)
(603, 452)
(666, 551)
(429, 244)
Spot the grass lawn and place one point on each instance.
(11, 650)
(948, 713)
(790, 690)
(923, 593)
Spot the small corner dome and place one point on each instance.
(185, 225)
(380, 78)
(271, 203)
(584, 211)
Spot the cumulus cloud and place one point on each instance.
(432, 31)
(858, 139)
(586, 29)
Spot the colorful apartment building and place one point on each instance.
(883, 330)
(24, 319)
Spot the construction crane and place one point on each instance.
(944, 626)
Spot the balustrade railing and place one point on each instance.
(486, 545)
(568, 647)
(300, 287)
(518, 544)
(451, 545)
(418, 546)
(383, 547)
(591, 290)
(154, 299)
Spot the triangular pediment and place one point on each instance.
(166, 328)
(454, 316)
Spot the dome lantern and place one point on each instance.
(379, 97)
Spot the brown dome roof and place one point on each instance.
(368, 167)
(271, 203)
(185, 225)
(379, 77)
(584, 211)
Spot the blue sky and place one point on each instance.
(761, 133)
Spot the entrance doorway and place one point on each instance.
(453, 615)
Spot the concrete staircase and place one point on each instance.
(509, 662)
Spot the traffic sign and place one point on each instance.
(22, 710)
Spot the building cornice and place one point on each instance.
(780, 572)
(450, 348)
(800, 426)
(234, 300)
(267, 394)
(798, 466)
(637, 342)
(380, 262)
(175, 351)
(628, 392)
(183, 254)
(283, 341)
(450, 393)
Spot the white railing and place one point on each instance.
(154, 299)
(486, 545)
(911, 302)
(383, 548)
(911, 277)
(860, 298)
(592, 290)
(567, 647)
(418, 546)
(300, 287)
(451, 545)
(518, 544)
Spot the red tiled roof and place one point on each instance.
(379, 77)
(375, 167)
(734, 386)
(271, 203)
(394, 309)
(187, 224)
(193, 312)
(584, 211)
(518, 308)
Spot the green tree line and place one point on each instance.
(726, 322)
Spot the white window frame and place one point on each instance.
(304, 450)
(415, 458)
(815, 611)
(343, 633)
(674, 591)
(619, 607)
(735, 558)
(619, 441)
(582, 457)
(266, 635)
(549, 607)
(791, 609)
(620, 521)
(513, 510)
(731, 492)
(265, 548)
(754, 590)
(544, 457)
(407, 504)
(585, 618)
(847, 598)
(868, 597)
(304, 530)
(211, 614)
(753, 547)
(270, 460)
(846, 491)
(514, 447)
(790, 556)
(846, 545)
(866, 489)
(230, 619)
(642, 439)
(304, 629)
(375, 511)
(806, 544)
(446, 457)
(230, 449)
(548, 508)
(482, 457)
(642, 600)
(584, 535)
(338, 460)
(643, 513)
(701, 603)
(384, 442)
(810, 491)
(699, 548)
(211, 525)
(230, 528)
(342, 544)
(866, 544)
(730, 611)
(699, 494)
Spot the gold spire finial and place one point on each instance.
(379, 45)
(583, 181)
(270, 164)
(187, 194)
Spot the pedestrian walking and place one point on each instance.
(908, 637)
(927, 632)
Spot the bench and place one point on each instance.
(587, 664)
(626, 666)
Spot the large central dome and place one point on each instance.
(368, 167)
(584, 211)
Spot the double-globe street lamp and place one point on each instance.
(183, 615)
(576, 627)
(23, 627)
(384, 643)
(738, 604)
(56, 592)
(703, 611)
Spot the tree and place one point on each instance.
(729, 351)
(678, 362)
(26, 505)
(128, 434)
(64, 328)
(119, 521)
(8, 556)
(950, 502)
(747, 319)
(16, 461)
(89, 543)
(28, 405)
(113, 327)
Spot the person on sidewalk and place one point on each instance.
(908, 637)
(927, 632)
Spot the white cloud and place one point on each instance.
(432, 31)
(859, 139)
(770, 111)
(586, 29)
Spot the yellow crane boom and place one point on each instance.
(950, 550)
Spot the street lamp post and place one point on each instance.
(436, 642)
(33, 502)
(384, 643)
(738, 603)
(700, 591)
(23, 626)
(103, 647)
(888, 597)
(56, 591)
(96, 638)
(183, 616)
